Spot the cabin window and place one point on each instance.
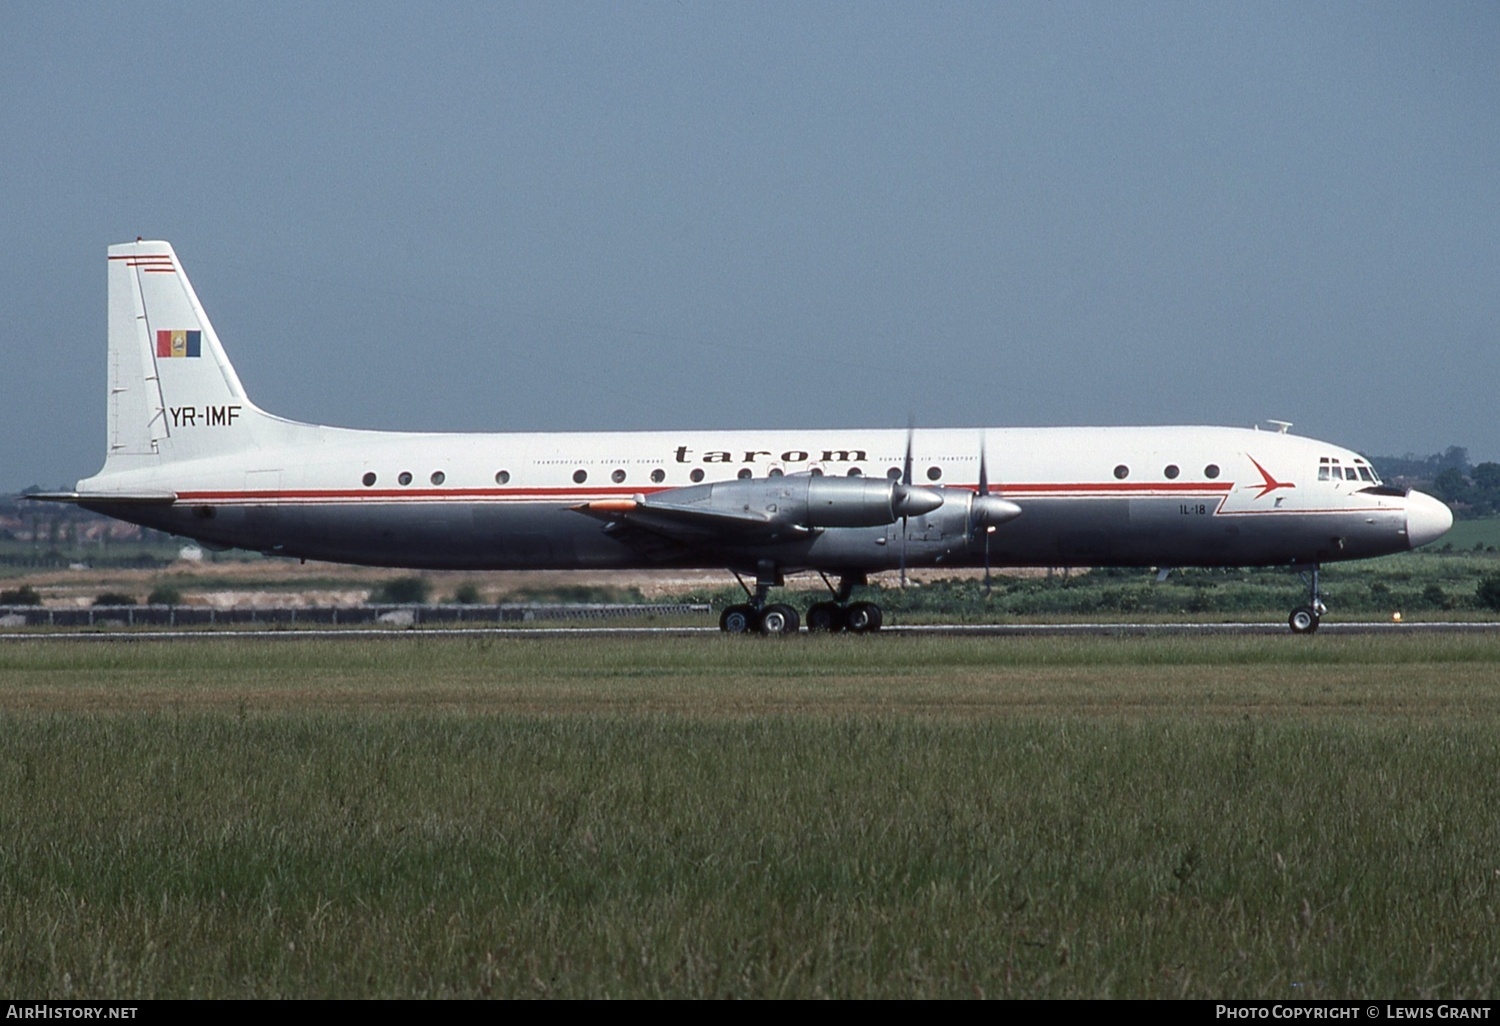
(1171, 472)
(1211, 471)
(934, 473)
(580, 476)
(618, 476)
(438, 477)
(404, 477)
(369, 479)
(744, 473)
(502, 477)
(775, 472)
(816, 471)
(855, 472)
(658, 475)
(1122, 472)
(696, 475)
(894, 473)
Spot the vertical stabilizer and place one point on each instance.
(172, 391)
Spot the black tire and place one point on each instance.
(825, 617)
(778, 619)
(1304, 620)
(863, 617)
(738, 619)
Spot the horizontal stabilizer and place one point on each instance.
(85, 498)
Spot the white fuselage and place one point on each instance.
(1133, 496)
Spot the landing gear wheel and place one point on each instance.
(778, 619)
(862, 617)
(825, 617)
(1304, 620)
(739, 619)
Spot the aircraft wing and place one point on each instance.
(767, 509)
(692, 524)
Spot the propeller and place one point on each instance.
(977, 514)
(911, 430)
(986, 511)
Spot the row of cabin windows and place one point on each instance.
(1171, 471)
(657, 476)
(503, 477)
(404, 478)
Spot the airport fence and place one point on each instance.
(335, 616)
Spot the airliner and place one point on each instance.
(190, 454)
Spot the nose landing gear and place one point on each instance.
(1305, 619)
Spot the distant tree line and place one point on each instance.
(1412, 467)
(1473, 490)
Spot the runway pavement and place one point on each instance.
(271, 632)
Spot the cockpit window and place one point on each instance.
(1331, 468)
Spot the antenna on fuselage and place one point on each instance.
(1281, 426)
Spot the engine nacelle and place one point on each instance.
(863, 502)
(809, 501)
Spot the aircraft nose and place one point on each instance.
(1427, 519)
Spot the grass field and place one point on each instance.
(850, 817)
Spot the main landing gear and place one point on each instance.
(756, 616)
(841, 614)
(832, 617)
(745, 619)
(1305, 619)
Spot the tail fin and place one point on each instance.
(172, 391)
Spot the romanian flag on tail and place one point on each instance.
(179, 343)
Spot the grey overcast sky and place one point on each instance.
(554, 216)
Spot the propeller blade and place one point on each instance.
(987, 510)
(987, 585)
(911, 430)
(984, 470)
(975, 518)
(984, 491)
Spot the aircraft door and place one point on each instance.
(263, 520)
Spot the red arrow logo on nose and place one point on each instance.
(1268, 483)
